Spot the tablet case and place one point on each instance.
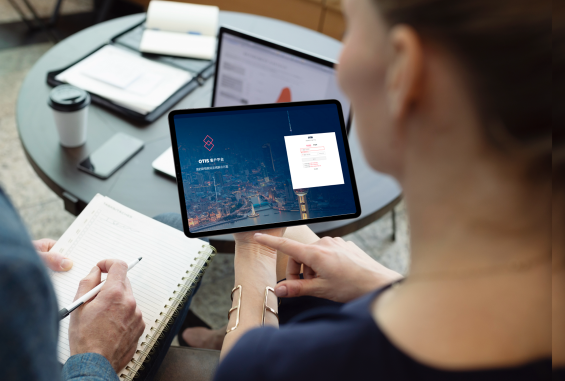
(287, 223)
(129, 39)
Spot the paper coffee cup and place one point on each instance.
(70, 111)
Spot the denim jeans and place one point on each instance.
(173, 220)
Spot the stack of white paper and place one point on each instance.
(126, 79)
(180, 29)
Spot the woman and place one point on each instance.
(453, 99)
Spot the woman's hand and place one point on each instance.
(55, 261)
(333, 269)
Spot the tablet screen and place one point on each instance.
(250, 166)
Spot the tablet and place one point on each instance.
(244, 168)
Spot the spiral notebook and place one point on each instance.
(172, 265)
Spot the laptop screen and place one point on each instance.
(254, 71)
(256, 166)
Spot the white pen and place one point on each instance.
(89, 295)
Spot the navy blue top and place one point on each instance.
(342, 344)
(28, 314)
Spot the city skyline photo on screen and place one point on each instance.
(245, 168)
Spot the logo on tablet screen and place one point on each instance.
(208, 143)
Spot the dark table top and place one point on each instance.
(136, 184)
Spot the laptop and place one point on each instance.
(253, 70)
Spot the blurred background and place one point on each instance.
(73, 15)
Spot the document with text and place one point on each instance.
(313, 160)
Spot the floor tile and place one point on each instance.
(41, 210)
(212, 301)
(21, 59)
(43, 8)
(46, 220)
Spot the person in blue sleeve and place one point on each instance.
(103, 333)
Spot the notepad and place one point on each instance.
(171, 266)
(180, 29)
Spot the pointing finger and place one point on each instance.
(300, 252)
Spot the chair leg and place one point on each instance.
(17, 8)
(393, 216)
(41, 25)
(103, 13)
(55, 14)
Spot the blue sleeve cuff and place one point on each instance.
(89, 366)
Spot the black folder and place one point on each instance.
(201, 70)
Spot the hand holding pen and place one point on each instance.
(111, 323)
(63, 313)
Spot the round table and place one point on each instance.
(136, 184)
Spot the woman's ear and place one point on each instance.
(404, 72)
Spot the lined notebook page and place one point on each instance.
(107, 229)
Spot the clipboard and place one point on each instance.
(201, 70)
